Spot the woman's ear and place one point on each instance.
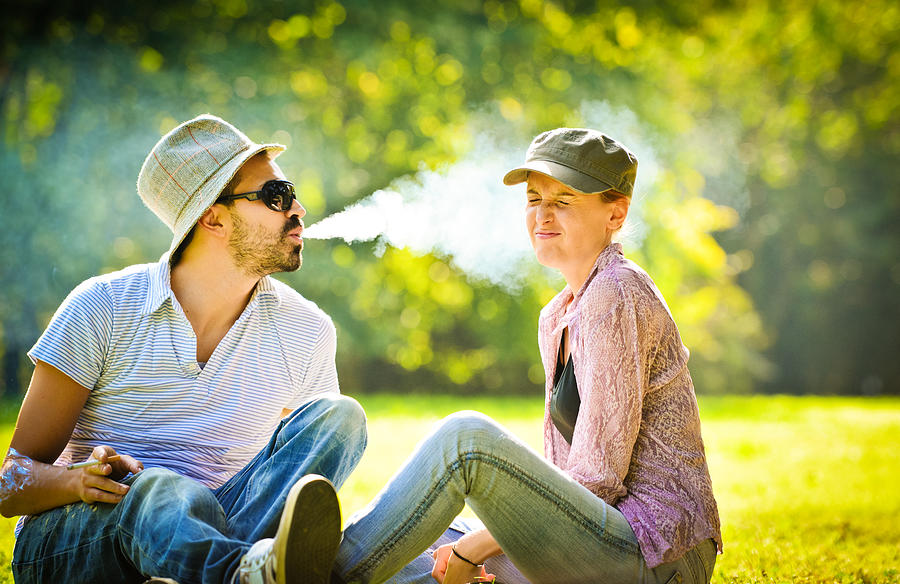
(619, 213)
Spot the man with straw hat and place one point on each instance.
(200, 393)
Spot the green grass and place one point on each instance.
(808, 487)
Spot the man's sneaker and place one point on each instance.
(306, 544)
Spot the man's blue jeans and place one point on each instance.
(171, 526)
(550, 527)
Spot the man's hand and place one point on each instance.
(96, 484)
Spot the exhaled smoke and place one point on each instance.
(467, 214)
(464, 213)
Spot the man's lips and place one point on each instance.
(296, 235)
(295, 229)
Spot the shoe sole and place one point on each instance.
(309, 533)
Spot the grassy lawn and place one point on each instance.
(808, 488)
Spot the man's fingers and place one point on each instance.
(102, 452)
(102, 469)
(105, 485)
(131, 464)
(92, 495)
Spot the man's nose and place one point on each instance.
(296, 209)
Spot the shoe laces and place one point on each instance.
(258, 564)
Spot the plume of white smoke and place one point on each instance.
(465, 213)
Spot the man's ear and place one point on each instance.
(215, 221)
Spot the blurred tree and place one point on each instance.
(779, 112)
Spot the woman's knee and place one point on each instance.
(469, 426)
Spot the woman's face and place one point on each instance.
(568, 228)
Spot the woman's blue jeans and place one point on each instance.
(549, 526)
(171, 526)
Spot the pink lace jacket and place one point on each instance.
(637, 441)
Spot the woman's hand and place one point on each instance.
(475, 546)
(98, 483)
(449, 569)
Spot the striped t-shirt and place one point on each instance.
(125, 338)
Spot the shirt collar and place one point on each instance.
(160, 287)
(609, 253)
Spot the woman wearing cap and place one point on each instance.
(624, 493)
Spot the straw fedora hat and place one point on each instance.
(186, 171)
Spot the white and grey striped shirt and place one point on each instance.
(125, 338)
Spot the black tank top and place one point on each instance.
(564, 401)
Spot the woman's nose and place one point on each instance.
(544, 213)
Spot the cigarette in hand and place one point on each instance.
(92, 462)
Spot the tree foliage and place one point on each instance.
(768, 222)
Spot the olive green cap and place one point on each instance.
(583, 159)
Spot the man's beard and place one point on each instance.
(260, 252)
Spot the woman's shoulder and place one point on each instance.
(620, 282)
(620, 277)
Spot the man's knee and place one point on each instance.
(152, 479)
(338, 416)
(345, 411)
(338, 413)
(162, 487)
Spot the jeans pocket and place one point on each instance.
(695, 570)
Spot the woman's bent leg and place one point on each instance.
(552, 528)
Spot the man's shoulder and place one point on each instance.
(114, 284)
(292, 306)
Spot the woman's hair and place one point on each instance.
(611, 196)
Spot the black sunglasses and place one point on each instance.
(277, 194)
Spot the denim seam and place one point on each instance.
(60, 553)
(530, 482)
(144, 554)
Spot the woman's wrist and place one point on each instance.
(465, 559)
(476, 547)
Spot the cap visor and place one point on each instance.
(570, 177)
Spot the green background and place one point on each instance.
(768, 135)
